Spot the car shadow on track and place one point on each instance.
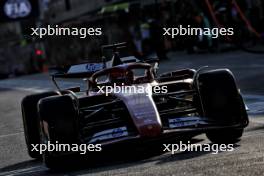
(189, 154)
(139, 158)
(21, 165)
(110, 161)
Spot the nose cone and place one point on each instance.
(143, 112)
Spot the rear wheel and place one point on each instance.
(222, 103)
(31, 120)
(58, 115)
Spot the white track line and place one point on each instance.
(24, 171)
(13, 134)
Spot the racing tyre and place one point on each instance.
(225, 136)
(59, 122)
(222, 103)
(31, 120)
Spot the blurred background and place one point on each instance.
(139, 23)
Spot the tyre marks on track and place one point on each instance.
(25, 171)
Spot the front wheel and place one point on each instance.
(223, 104)
(31, 120)
(225, 136)
(59, 125)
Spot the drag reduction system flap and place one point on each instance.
(87, 69)
(76, 71)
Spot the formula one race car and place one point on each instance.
(191, 102)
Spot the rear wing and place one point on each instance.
(85, 70)
(76, 71)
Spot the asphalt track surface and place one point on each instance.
(246, 159)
